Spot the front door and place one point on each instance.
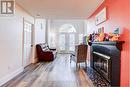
(66, 42)
(27, 43)
(71, 42)
(62, 42)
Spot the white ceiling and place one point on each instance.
(60, 8)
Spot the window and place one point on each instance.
(80, 38)
(67, 28)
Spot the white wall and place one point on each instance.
(11, 44)
(39, 36)
(90, 27)
(85, 27)
(40, 31)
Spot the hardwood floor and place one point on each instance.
(59, 73)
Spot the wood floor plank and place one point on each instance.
(59, 73)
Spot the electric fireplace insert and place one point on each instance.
(102, 64)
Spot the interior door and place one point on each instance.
(27, 43)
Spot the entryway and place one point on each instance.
(66, 40)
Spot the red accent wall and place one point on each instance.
(118, 12)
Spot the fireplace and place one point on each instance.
(105, 60)
(102, 64)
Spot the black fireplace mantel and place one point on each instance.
(118, 44)
(111, 50)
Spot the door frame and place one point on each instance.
(32, 41)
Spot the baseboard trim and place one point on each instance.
(10, 76)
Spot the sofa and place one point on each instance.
(44, 53)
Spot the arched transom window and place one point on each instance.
(67, 28)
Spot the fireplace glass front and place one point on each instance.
(102, 64)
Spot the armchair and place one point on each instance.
(80, 54)
(44, 53)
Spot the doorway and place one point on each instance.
(67, 38)
(27, 43)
